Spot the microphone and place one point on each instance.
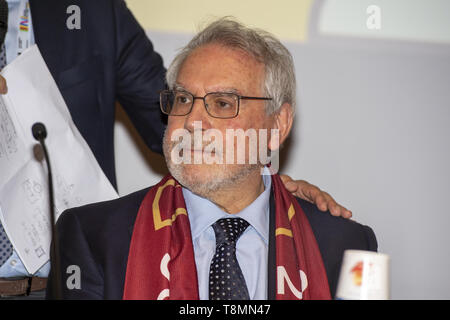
(40, 133)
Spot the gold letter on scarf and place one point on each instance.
(159, 223)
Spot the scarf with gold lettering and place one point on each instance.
(161, 261)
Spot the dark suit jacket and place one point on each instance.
(109, 59)
(97, 238)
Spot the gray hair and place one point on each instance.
(279, 82)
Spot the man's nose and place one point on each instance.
(198, 113)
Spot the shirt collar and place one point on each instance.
(203, 213)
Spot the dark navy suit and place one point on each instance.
(109, 59)
(97, 238)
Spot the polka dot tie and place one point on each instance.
(3, 30)
(2, 57)
(226, 281)
(6, 248)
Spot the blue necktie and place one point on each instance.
(6, 248)
(3, 30)
(226, 281)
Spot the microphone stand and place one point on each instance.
(40, 133)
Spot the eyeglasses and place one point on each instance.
(221, 105)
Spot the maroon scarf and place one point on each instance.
(161, 261)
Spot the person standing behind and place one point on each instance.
(105, 58)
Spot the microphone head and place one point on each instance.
(39, 131)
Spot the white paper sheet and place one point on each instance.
(77, 177)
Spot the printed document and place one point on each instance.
(24, 196)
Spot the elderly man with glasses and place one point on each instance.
(215, 227)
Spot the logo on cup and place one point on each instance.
(357, 272)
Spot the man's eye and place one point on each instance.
(182, 100)
(223, 104)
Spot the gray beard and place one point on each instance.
(228, 177)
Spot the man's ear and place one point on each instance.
(284, 117)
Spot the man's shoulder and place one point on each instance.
(338, 231)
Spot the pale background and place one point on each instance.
(373, 122)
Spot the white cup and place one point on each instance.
(364, 276)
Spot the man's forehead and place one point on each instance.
(217, 68)
(217, 54)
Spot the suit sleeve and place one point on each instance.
(81, 278)
(140, 76)
(372, 244)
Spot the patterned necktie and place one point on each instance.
(6, 248)
(226, 281)
(2, 56)
(3, 30)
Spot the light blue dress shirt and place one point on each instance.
(251, 248)
(13, 29)
(14, 267)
